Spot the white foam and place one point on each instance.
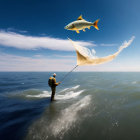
(75, 87)
(64, 90)
(69, 95)
(72, 88)
(66, 96)
(134, 82)
(41, 95)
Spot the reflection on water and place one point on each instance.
(58, 123)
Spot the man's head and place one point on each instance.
(54, 74)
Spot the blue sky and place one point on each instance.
(33, 38)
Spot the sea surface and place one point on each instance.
(88, 106)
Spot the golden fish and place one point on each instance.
(81, 24)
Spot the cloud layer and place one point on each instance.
(39, 63)
(19, 63)
(19, 41)
(10, 62)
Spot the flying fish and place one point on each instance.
(81, 24)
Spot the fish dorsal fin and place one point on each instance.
(80, 17)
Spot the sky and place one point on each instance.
(33, 38)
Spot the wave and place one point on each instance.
(44, 94)
(65, 94)
(134, 82)
(69, 95)
(72, 88)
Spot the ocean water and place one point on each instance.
(88, 106)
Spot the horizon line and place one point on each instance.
(68, 71)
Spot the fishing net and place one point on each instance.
(86, 57)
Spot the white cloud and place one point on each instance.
(107, 45)
(40, 63)
(15, 30)
(64, 56)
(36, 63)
(19, 41)
(37, 55)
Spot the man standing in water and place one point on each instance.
(52, 83)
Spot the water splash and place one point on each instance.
(69, 95)
(43, 94)
(65, 94)
(72, 88)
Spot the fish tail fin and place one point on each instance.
(95, 24)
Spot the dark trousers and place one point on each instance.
(53, 93)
